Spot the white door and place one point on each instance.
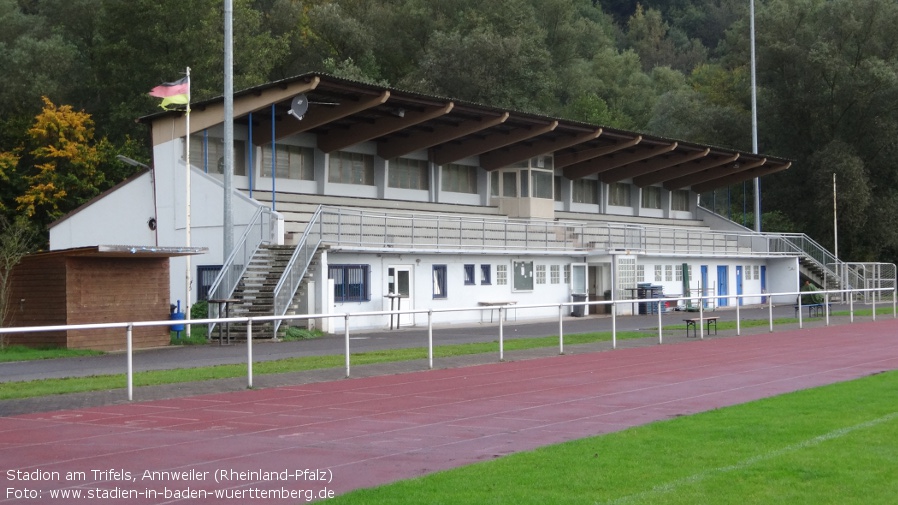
(579, 279)
(400, 286)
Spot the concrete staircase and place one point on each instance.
(256, 288)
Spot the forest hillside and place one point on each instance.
(77, 72)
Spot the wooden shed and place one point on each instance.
(88, 285)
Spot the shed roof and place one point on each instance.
(124, 251)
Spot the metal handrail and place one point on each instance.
(296, 268)
(439, 232)
(260, 230)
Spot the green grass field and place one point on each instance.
(833, 445)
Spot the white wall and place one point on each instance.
(459, 295)
(781, 275)
(119, 218)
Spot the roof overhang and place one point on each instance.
(125, 251)
(342, 113)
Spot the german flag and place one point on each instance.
(173, 93)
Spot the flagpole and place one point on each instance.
(188, 300)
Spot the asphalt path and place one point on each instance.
(178, 357)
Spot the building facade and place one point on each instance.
(431, 203)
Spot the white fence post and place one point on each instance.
(560, 329)
(249, 354)
(346, 339)
(130, 348)
(614, 324)
(430, 338)
(501, 334)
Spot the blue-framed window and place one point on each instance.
(469, 275)
(439, 281)
(486, 274)
(351, 282)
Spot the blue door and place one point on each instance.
(739, 282)
(704, 285)
(722, 285)
(763, 282)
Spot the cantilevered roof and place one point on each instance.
(342, 113)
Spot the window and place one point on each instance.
(207, 153)
(469, 275)
(351, 168)
(350, 282)
(557, 189)
(509, 184)
(205, 275)
(459, 178)
(658, 275)
(542, 184)
(678, 273)
(668, 273)
(757, 269)
(409, 174)
(555, 274)
(485, 277)
(585, 191)
(293, 162)
(679, 200)
(439, 281)
(501, 275)
(620, 194)
(494, 184)
(651, 197)
(640, 272)
(522, 272)
(567, 274)
(540, 274)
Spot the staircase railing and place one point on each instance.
(296, 268)
(259, 231)
(831, 267)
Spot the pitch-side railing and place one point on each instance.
(563, 310)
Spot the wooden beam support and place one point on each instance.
(504, 157)
(318, 115)
(170, 127)
(447, 153)
(711, 173)
(634, 170)
(395, 148)
(606, 163)
(566, 160)
(739, 177)
(363, 132)
(683, 169)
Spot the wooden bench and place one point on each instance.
(695, 321)
(814, 309)
(495, 306)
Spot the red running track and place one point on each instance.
(365, 432)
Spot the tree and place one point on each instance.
(61, 165)
(17, 238)
(828, 79)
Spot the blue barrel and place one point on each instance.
(177, 316)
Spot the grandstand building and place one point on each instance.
(353, 197)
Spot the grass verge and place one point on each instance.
(21, 353)
(45, 387)
(832, 445)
